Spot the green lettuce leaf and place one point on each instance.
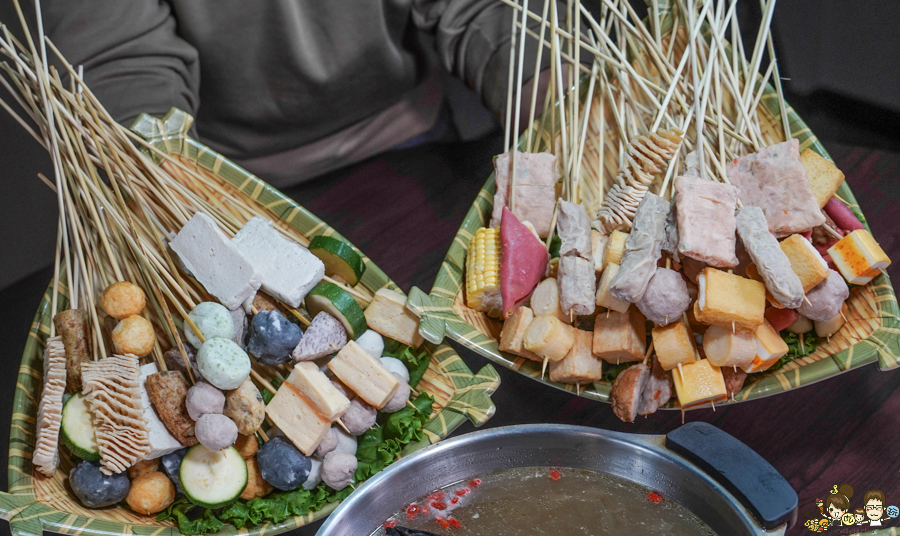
(416, 361)
(611, 372)
(810, 341)
(376, 449)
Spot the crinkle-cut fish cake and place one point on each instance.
(112, 392)
(49, 415)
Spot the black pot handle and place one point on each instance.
(737, 467)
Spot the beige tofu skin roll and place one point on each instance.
(549, 338)
(726, 348)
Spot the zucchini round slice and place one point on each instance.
(213, 478)
(339, 258)
(77, 429)
(337, 302)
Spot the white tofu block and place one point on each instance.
(298, 418)
(215, 262)
(288, 269)
(316, 386)
(364, 374)
(161, 441)
(389, 316)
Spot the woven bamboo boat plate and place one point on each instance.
(872, 333)
(36, 503)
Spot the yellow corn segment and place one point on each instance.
(483, 272)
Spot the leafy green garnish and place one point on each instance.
(377, 448)
(416, 361)
(268, 396)
(611, 372)
(810, 340)
(555, 244)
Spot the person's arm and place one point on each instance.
(134, 61)
(472, 40)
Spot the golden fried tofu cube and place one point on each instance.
(388, 315)
(858, 257)
(580, 365)
(806, 262)
(549, 338)
(699, 383)
(824, 177)
(298, 418)
(364, 374)
(729, 300)
(604, 298)
(620, 337)
(316, 386)
(674, 344)
(514, 333)
(770, 347)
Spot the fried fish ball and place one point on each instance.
(247, 445)
(150, 493)
(123, 299)
(141, 467)
(256, 486)
(133, 335)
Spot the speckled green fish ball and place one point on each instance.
(223, 363)
(213, 319)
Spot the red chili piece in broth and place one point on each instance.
(554, 474)
(475, 483)
(654, 497)
(454, 500)
(390, 523)
(462, 492)
(425, 510)
(439, 496)
(454, 523)
(443, 522)
(439, 505)
(412, 512)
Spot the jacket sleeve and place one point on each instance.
(472, 40)
(134, 61)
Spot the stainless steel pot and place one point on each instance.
(721, 480)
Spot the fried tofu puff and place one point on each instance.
(150, 493)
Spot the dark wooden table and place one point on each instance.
(403, 210)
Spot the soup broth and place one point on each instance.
(547, 501)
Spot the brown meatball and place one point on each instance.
(123, 299)
(150, 493)
(256, 486)
(133, 335)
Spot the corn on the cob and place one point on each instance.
(483, 272)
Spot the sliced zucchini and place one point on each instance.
(337, 302)
(339, 258)
(212, 478)
(77, 429)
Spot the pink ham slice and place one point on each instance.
(523, 262)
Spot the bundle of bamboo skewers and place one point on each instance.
(615, 77)
(118, 207)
